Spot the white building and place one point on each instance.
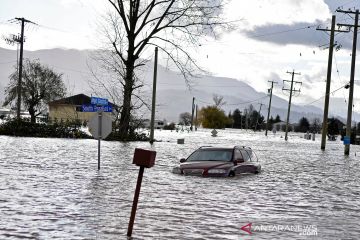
(159, 124)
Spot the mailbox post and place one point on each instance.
(144, 159)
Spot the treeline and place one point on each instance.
(249, 119)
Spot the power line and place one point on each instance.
(251, 101)
(231, 104)
(345, 86)
(281, 32)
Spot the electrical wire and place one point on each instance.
(324, 95)
(247, 102)
(281, 32)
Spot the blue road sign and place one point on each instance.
(346, 140)
(99, 101)
(94, 108)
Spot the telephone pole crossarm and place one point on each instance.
(340, 31)
(346, 25)
(295, 73)
(345, 11)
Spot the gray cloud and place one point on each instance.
(305, 33)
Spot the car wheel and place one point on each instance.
(231, 174)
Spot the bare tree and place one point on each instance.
(174, 26)
(218, 101)
(185, 118)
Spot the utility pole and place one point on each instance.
(290, 97)
(19, 39)
(152, 123)
(268, 115)
(257, 118)
(196, 117)
(192, 113)
(240, 120)
(328, 79)
(352, 74)
(246, 122)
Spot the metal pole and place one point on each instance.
(328, 82)
(135, 201)
(20, 68)
(257, 118)
(288, 113)
(240, 120)
(192, 114)
(152, 123)
(99, 139)
(196, 117)
(268, 115)
(351, 90)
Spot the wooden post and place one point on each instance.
(328, 81)
(135, 201)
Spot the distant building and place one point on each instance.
(4, 113)
(70, 108)
(158, 124)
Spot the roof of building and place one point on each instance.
(79, 99)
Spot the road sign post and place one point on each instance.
(100, 126)
(99, 139)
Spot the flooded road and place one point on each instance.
(51, 189)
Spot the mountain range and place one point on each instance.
(174, 96)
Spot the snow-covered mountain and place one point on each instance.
(174, 96)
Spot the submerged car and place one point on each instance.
(219, 161)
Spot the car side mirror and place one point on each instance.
(182, 160)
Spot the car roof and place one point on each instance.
(224, 148)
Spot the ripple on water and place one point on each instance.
(50, 189)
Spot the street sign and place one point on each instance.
(106, 126)
(99, 101)
(100, 126)
(94, 108)
(346, 140)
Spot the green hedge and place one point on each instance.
(25, 128)
(132, 136)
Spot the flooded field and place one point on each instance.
(51, 189)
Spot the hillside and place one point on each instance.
(173, 95)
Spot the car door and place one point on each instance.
(239, 161)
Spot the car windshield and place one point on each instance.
(211, 155)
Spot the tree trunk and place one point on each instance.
(129, 85)
(32, 114)
(126, 106)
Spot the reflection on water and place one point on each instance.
(50, 188)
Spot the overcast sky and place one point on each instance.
(273, 37)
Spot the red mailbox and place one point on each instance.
(144, 158)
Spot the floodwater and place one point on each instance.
(51, 189)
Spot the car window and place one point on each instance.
(246, 155)
(238, 156)
(211, 155)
